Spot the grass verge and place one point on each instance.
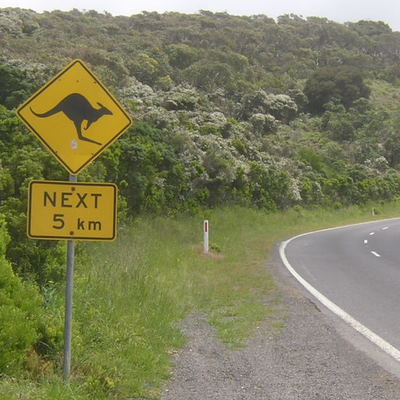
(130, 296)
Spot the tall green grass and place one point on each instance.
(130, 296)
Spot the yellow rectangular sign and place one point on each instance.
(72, 211)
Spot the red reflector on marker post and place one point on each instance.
(205, 230)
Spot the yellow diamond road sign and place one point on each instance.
(75, 116)
(72, 211)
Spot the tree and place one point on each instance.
(369, 28)
(181, 56)
(280, 106)
(343, 84)
(14, 87)
(209, 76)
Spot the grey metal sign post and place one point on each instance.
(68, 301)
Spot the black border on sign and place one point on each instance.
(37, 134)
(82, 238)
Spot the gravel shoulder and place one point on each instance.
(314, 357)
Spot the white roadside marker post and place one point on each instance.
(205, 230)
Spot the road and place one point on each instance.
(354, 271)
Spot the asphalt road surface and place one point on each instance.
(357, 268)
(313, 356)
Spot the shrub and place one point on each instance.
(13, 86)
(20, 310)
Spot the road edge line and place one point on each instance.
(358, 326)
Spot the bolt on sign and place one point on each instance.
(74, 116)
(72, 211)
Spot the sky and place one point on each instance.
(336, 10)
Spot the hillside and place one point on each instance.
(228, 110)
(230, 104)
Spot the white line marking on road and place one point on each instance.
(365, 241)
(358, 326)
(384, 228)
(375, 254)
(371, 233)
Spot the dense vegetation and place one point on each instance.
(228, 110)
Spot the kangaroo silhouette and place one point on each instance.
(78, 109)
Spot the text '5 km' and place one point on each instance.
(78, 211)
